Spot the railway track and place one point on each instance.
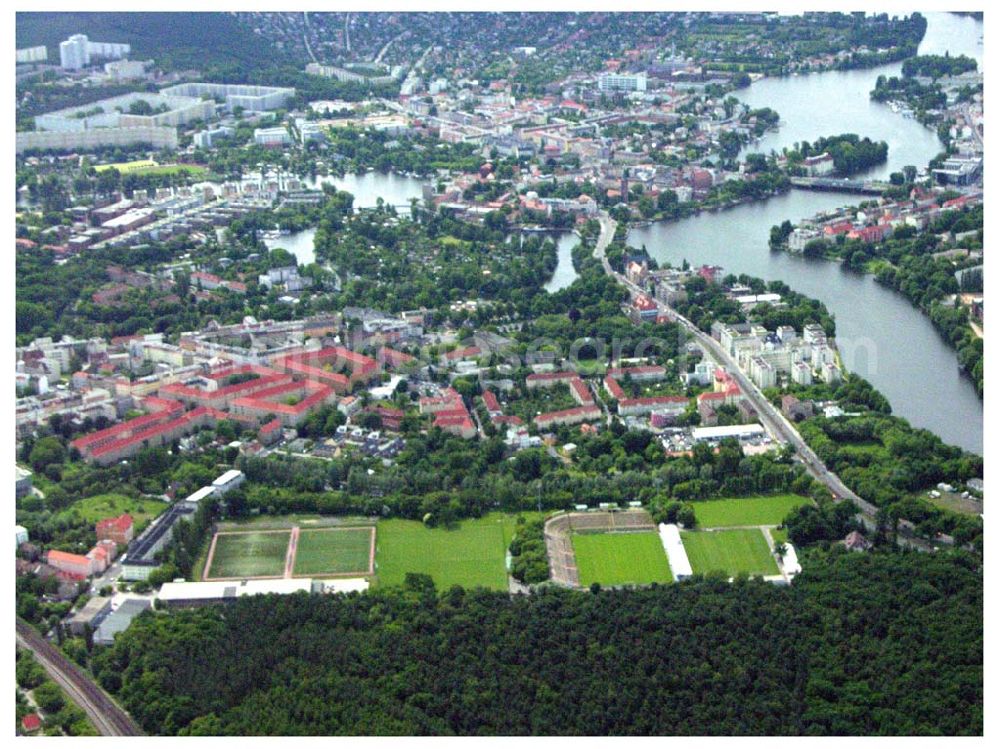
(108, 718)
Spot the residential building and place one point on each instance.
(32, 55)
(207, 138)
(118, 529)
(830, 373)
(801, 373)
(856, 541)
(568, 416)
(818, 166)
(75, 564)
(272, 136)
(248, 97)
(795, 409)
(153, 136)
(674, 405)
(626, 82)
(73, 53)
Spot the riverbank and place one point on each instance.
(921, 248)
(877, 270)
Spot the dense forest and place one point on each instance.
(845, 650)
(937, 66)
(707, 303)
(889, 463)
(211, 42)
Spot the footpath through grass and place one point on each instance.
(741, 550)
(762, 510)
(620, 558)
(471, 554)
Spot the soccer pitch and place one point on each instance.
(254, 554)
(620, 558)
(767, 510)
(471, 554)
(732, 552)
(334, 551)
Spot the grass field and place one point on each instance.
(732, 552)
(249, 554)
(620, 558)
(101, 506)
(152, 168)
(333, 552)
(769, 510)
(471, 554)
(954, 502)
(305, 521)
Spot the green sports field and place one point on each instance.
(620, 558)
(249, 554)
(769, 510)
(333, 552)
(471, 554)
(736, 551)
(149, 167)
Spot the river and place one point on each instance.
(881, 335)
(367, 188)
(564, 273)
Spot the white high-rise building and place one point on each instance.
(32, 54)
(622, 82)
(74, 53)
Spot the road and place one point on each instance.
(378, 57)
(108, 718)
(608, 227)
(771, 418)
(305, 35)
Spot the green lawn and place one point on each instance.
(621, 558)
(101, 506)
(590, 367)
(471, 554)
(780, 536)
(736, 551)
(249, 554)
(333, 552)
(768, 510)
(147, 167)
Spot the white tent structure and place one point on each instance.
(670, 537)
